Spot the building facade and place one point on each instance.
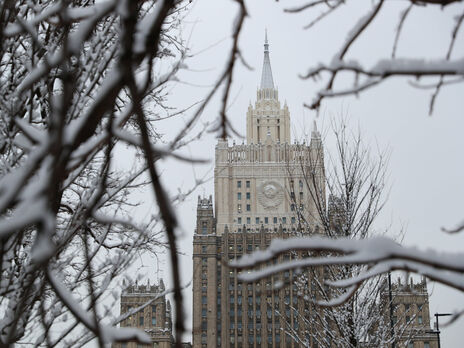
(411, 315)
(154, 318)
(260, 193)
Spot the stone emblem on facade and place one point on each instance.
(270, 194)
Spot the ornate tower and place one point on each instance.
(267, 118)
(260, 193)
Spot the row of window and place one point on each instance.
(142, 321)
(239, 184)
(408, 319)
(411, 345)
(247, 183)
(239, 196)
(407, 307)
(275, 220)
(293, 207)
(258, 339)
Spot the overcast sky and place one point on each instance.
(427, 163)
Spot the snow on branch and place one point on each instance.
(389, 67)
(380, 254)
(68, 98)
(384, 68)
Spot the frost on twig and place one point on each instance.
(416, 67)
(77, 79)
(382, 254)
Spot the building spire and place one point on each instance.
(266, 77)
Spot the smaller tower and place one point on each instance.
(205, 217)
(205, 273)
(154, 319)
(411, 315)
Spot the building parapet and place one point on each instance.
(273, 152)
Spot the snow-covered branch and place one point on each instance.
(384, 68)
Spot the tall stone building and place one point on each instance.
(411, 315)
(260, 193)
(154, 319)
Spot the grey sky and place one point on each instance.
(426, 165)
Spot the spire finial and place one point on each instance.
(315, 133)
(266, 42)
(266, 77)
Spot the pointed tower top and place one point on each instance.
(315, 133)
(266, 77)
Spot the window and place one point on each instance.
(248, 207)
(141, 321)
(153, 321)
(301, 184)
(266, 220)
(410, 344)
(204, 227)
(203, 312)
(406, 307)
(419, 319)
(248, 220)
(239, 196)
(153, 308)
(247, 184)
(275, 219)
(293, 220)
(239, 208)
(257, 220)
(248, 195)
(239, 184)
(203, 248)
(419, 307)
(284, 220)
(301, 196)
(408, 318)
(292, 207)
(426, 345)
(239, 220)
(203, 299)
